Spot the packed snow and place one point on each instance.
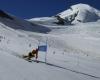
(72, 53)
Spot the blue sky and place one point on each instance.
(40, 8)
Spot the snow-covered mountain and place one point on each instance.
(73, 51)
(43, 20)
(86, 13)
(77, 13)
(17, 23)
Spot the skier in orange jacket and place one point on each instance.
(32, 54)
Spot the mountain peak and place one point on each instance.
(81, 6)
(86, 13)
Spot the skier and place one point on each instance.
(35, 53)
(32, 54)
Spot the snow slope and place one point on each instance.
(65, 60)
(74, 47)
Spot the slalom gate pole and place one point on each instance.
(46, 52)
